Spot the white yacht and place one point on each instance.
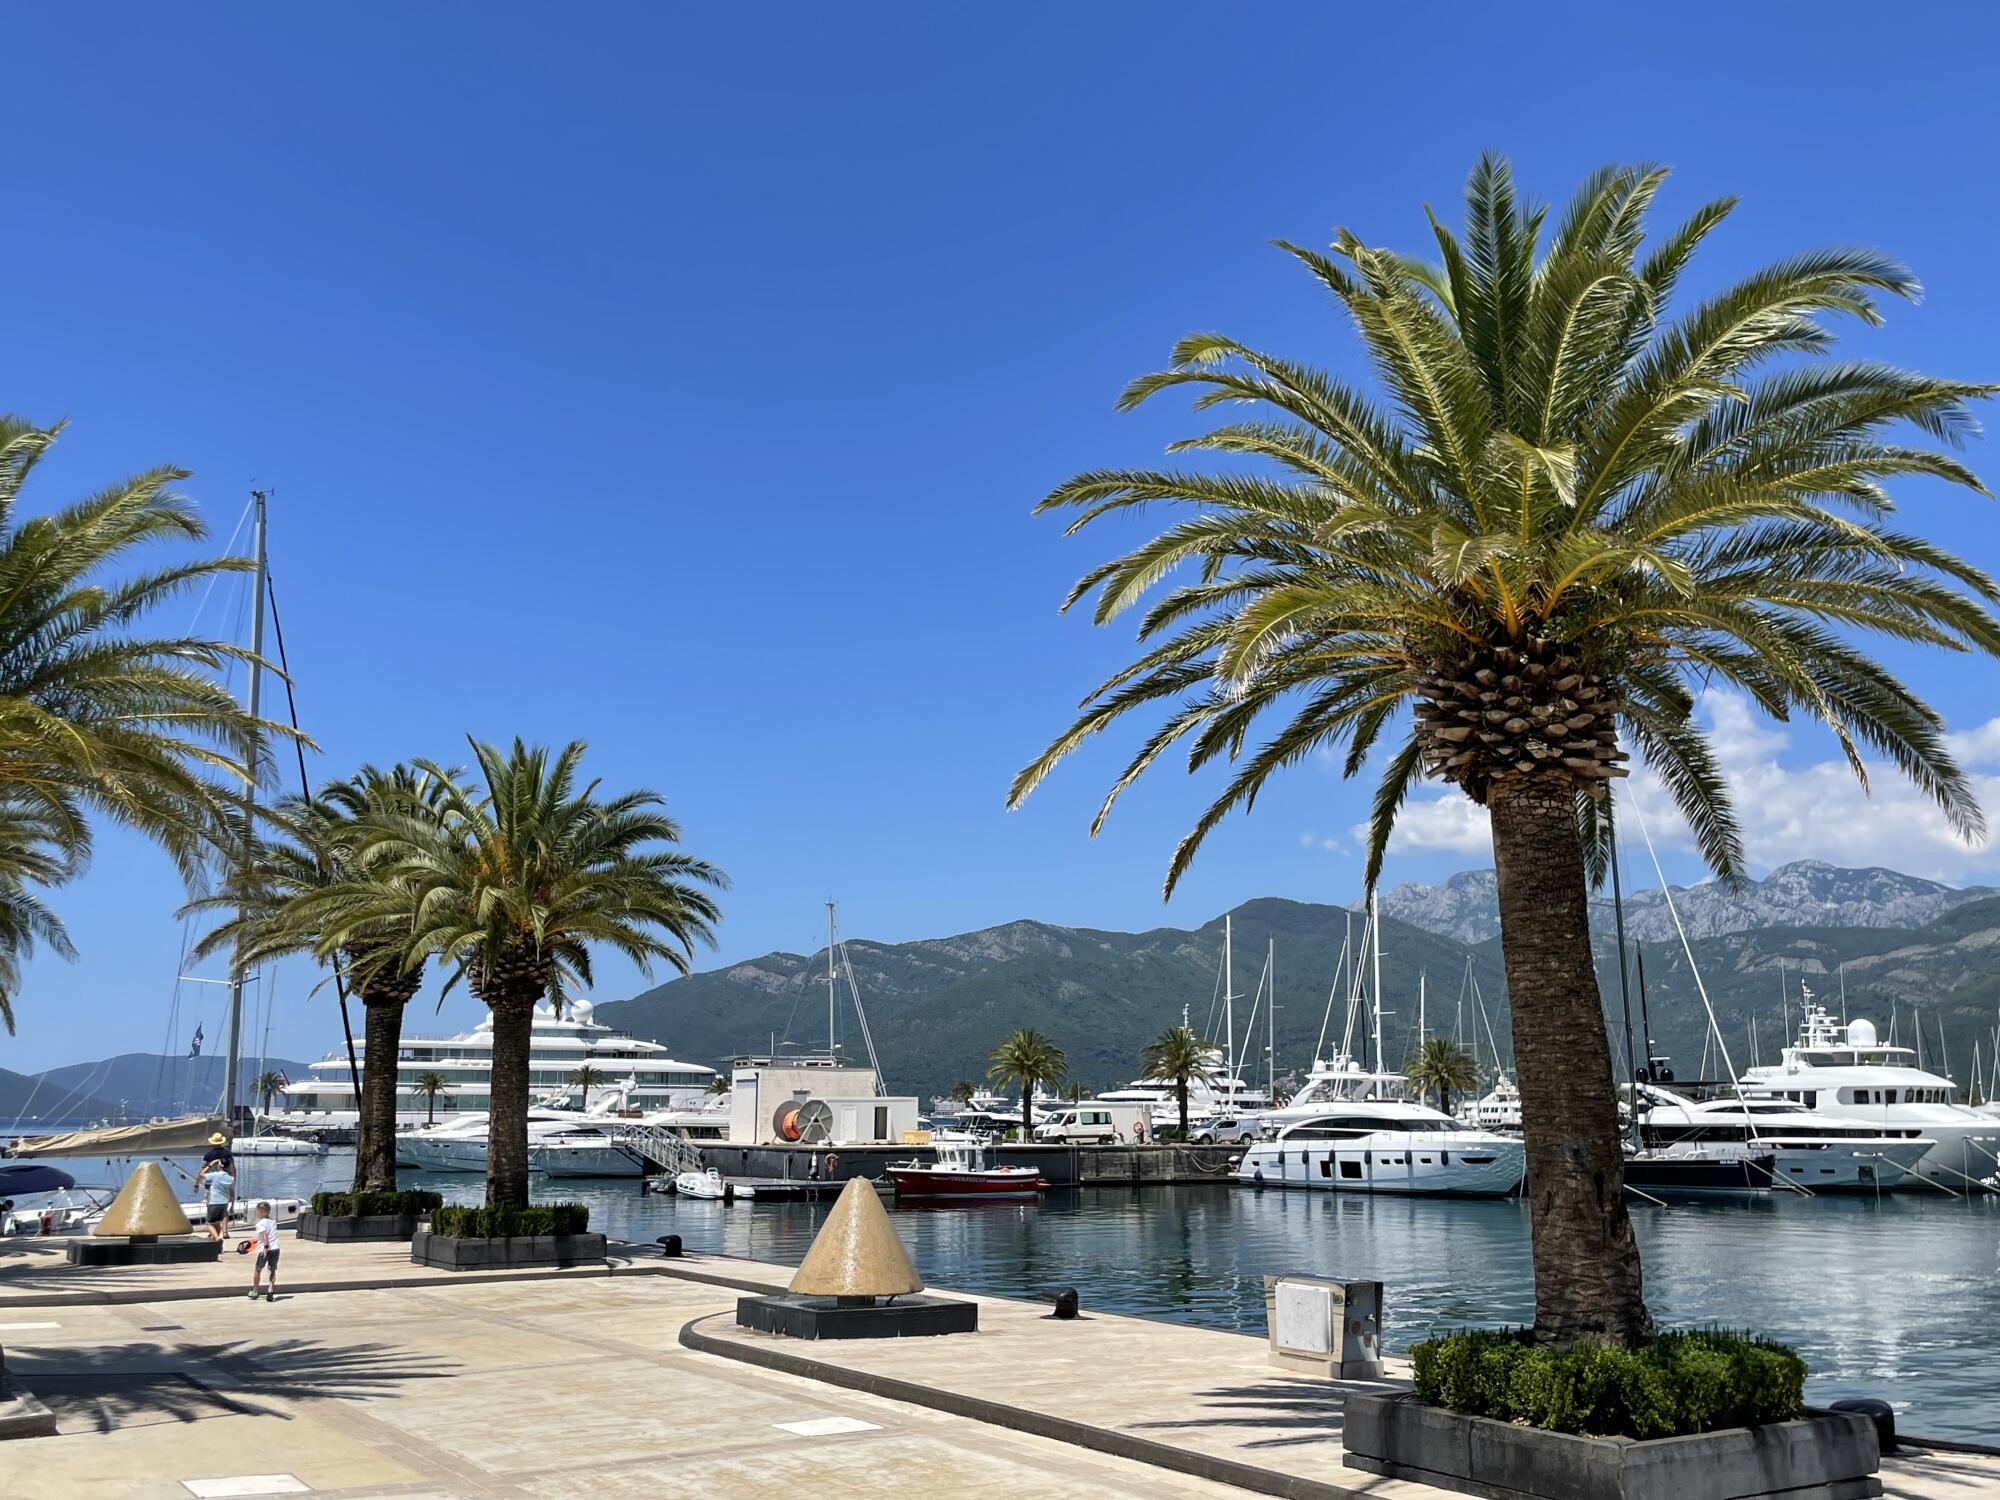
(459, 1145)
(1380, 1145)
(1499, 1109)
(1848, 1072)
(560, 1045)
(1809, 1148)
(1218, 1094)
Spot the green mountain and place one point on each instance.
(140, 1085)
(19, 1090)
(937, 1007)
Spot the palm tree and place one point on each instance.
(1074, 1091)
(97, 720)
(963, 1091)
(1180, 1057)
(1444, 1066)
(1574, 508)
(274, 897)
(264, 1085)
(1027, 1057)
(718, 1085)
(510, 886)
(430, 1084)
(586, 1078)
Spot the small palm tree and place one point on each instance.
(308, 848)
(963, 1091)
(510, 885)
(429, 1085)
(1073, 1091)
(1027, 1058)
(1443, 1067)
(718, 1085)
(1180, 1057)
(97, 720)
(1574, 509)
(585, 1079)
(265, 1085)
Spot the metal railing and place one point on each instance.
(663, 1146)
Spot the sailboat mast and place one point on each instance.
(1229, 993)
(249, 802)
(1375, 926)
(830, 1054)
(1271, 1026)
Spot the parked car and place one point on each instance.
(1225, 1130)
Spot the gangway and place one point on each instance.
(662, 1146)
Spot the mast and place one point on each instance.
(1423, 982)
(249, 802)
(1645, 1016)
(830, 1053)
(1375, 926)
(1271, 1026)
(1229, 994)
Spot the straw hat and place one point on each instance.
(218, 1139)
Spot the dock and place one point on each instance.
(373, 1378)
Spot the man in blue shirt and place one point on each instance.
(218, 1185)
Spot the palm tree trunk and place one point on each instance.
(507, 1099)
(431, 1108)
(1027, 1109)
(1181, 1088)
(375, 1123)
(1587, 1279)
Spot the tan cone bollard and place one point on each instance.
(857, 1252)
(144, 1206)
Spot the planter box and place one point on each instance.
(340, 1228)
(1826, 1456)
(450, 1253)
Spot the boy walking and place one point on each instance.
(264, 1238)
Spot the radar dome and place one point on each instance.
(1860, 1033)
(580, 1011)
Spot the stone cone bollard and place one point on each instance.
(146, 1206)
(857, 1252)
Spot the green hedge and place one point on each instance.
(494, 1223)
(1698, 1380)
(357, 1205)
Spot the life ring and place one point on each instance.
(832, 1161)
(1138, 1130)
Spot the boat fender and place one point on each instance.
(832, 1162)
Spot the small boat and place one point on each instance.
(960, 1171)
(710, 1184)
(275, 1145)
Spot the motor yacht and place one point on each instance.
(960, 1170)
(1809, 1148)
(1383, 1146)
(1848, 1072)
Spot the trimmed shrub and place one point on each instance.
(501, 1221)
(1696, 1380)
(412, 1204)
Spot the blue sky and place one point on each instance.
(680, 380)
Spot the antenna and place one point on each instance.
(830, 1053)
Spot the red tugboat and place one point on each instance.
(960, 1171)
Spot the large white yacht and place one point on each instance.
(1814, 1149)
(651, 1078)
(1848, 1072)
(1378, 1145)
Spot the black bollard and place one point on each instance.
(1879, 1412)
(1064, 1298)
(670, 1245)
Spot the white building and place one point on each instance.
(781, 1101)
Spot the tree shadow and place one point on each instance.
(103, 1388)
(1296, 1411)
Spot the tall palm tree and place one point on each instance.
(1442, 1067)
(586, 1078)
(1027, 1058)
(1574, 507)
(264, 1085)
(510, 886)
(1180, 1057)
(99, 720)
(429, 1085)
(307, 848)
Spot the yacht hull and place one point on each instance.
(1408, 1167)
(586, 1161)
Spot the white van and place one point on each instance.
(1091, 1123)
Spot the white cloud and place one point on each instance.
(1813, 811)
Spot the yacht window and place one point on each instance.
(1350, 1169)
(1326, 1168)
(1812, 1099)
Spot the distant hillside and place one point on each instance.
(1807, 893)
(18, 1089)
(937, 1007)
(140, 1085)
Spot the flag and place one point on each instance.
(194, 1047)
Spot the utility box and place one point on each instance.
(1330, 1328)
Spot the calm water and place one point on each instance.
(1898, 1298)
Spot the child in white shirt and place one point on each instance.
(265, 1238)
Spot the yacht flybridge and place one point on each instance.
(1847, 1072)
(651, 1078)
